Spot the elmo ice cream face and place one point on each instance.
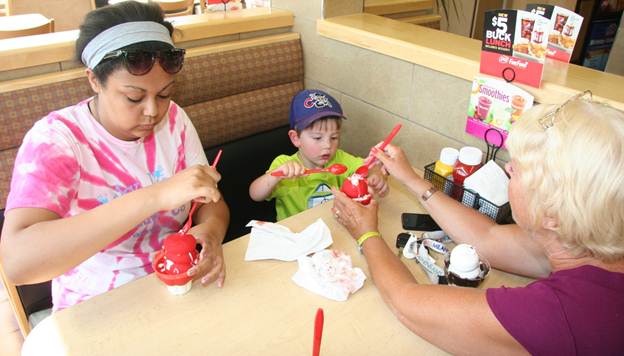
(356, 188)
(177, 256)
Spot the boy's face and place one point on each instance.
(318, 142)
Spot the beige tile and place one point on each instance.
(368, 125)
(333, 8)
(377, 79)
(308, 9)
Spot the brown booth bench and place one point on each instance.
(236, 93)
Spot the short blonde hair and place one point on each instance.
(571, 159)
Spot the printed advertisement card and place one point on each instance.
(514, 46)
(495, 104)
(564, 29)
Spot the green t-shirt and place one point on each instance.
(295, 195)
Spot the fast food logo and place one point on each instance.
(503, 59)
(316, 100)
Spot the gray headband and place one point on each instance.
(123, 35)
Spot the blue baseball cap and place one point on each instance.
(310, 105)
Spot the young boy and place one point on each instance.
(315, 119)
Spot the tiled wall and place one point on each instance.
(378, 91)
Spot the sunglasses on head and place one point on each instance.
(141, 62)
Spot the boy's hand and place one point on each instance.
(291, 169)
(377, 183)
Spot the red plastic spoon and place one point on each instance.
(335, 168)
(363, 170)
(318, 332)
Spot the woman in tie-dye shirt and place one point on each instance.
(97, 186)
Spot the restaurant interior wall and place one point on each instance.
(377, 92)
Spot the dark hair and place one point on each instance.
(106, 17)
(322, 122)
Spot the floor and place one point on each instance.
(10, 335)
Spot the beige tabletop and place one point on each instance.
(259, 311)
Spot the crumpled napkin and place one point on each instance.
(273, 241)
(491, 182)
(329, 273)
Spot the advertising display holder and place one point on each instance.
(514, 46)
(564, 29)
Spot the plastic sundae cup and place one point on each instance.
(465, 267)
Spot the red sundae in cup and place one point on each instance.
(171, 263)
(356, 186)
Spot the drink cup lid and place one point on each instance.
(449, 155)
(470, 155)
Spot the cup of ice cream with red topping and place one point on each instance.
(356, 188)
(176, 257)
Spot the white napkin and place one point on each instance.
(491, 182)
(329, 273)
(274, 241)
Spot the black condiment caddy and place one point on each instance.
(500, 214)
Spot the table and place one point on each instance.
(259, 311)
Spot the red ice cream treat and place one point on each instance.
(356, 188)
(176, 257)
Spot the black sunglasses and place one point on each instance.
(141, 62)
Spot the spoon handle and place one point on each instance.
(306, 172)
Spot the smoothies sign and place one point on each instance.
(514, 46)
(564, 29)
(495, 104)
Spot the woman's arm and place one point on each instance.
(458, 320)
(37, 245)
(506, 247)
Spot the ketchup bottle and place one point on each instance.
(468, 162)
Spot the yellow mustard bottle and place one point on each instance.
(448, 157)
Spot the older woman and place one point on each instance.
(97, 186)
(566, 168)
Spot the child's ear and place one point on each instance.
(294, 138)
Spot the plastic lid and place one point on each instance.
(448, 156)
(470, 155)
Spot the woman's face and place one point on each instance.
(130, 106)
(517, 195)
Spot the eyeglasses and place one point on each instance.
(141, 62)
(548, 120)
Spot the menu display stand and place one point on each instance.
(514, 46)
(564, 29)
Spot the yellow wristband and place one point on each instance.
(365, 236)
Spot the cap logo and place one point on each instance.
(316, 100)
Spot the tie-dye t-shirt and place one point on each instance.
(68, 163)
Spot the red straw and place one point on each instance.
(318, 332)
(189, 222)
(216, 160)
